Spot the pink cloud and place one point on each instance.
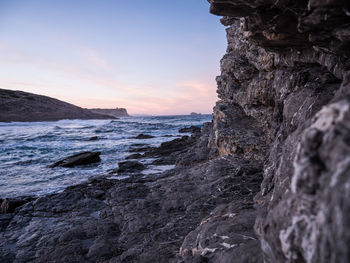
(197, 94)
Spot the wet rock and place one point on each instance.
(94, 138)
(78, 159)
(143, 136)
(140, 149)
(130, 167)
(169, 152)
(134, 156)
(192, 129)
(8, 205)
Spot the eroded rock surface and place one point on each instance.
(286, 73)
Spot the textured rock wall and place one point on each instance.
(284, 99)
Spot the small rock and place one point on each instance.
(141, 149)
(144, 136)
(130, 166)
(78, 159)
(192, 129)
(94, 138)
(134, 156)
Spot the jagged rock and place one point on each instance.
(286, 62)
(130, 166)
(78, 159)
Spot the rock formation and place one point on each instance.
(117, 112)
(284, 99)
(24, 106)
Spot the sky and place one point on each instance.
(155, 57)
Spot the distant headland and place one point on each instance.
(24, 106)
(117, 112)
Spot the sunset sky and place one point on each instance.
(151, 57)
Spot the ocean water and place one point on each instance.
(27, 148)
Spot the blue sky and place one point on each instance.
(149, 56)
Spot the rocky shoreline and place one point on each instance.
(267, 181)
(164, 217)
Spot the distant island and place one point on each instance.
(24, 106)
(117, 112)
(195, 114)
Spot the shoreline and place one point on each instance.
(146, 218)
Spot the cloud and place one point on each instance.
(89, 88)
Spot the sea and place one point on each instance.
(27, 148)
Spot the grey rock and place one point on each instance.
(192, 129)
(130, 166)
(134, 156)
(78, 159)
(285, 80)
(143, 136)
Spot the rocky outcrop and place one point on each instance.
(117, 112)
(24, 106)
(284, 99)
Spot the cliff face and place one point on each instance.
(284, 94)
(117, 112)
(24, 106)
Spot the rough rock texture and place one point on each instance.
(130, 166)
(184, 214)
(24, 106)
(284, 99)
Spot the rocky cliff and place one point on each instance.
(284, 100)
(24, 106)
(117, 112)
